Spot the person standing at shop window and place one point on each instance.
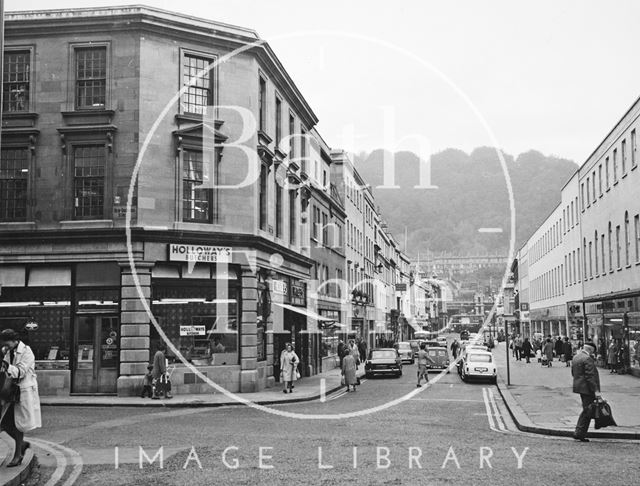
(160, 378)
(288, 368)
(612, 357)
(19, 417)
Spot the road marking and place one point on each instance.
(60, 453)
(61, 461)
(487, 406)
(498, 415)
(447, 400)
(489, 230)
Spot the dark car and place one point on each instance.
(440, 357)
(383, 361)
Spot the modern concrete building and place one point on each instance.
(583, 263)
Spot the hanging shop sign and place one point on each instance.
(192, 330)
(279, 287)
(199, 253)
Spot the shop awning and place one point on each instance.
(306, 312)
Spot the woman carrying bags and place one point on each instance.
(22, 415)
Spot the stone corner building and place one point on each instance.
(114, 108)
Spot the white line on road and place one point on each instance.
(446, 400)
(61, 461)
(485, 396)
(498, 415)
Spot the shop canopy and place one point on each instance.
(324, 322)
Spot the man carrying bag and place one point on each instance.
(586, 382)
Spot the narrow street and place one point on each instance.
(448, 432)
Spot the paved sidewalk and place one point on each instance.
(541, 399)
(306, 389)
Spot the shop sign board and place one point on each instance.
(199, 253)
(279, 287)
(192, 330)
(401, 287)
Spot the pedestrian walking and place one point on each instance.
(162, 385)
(547, 352)
(362, 349)
(527, 348)
(586, 382)
(354, 351)
(423, 360)
(289, 368)
(349, 367)
(558, 347)
(147, 383)
(341, 347)
(455, 347)
(612, 357)
(18, 362)
(567, 350)
(518, 347)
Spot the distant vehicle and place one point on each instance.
(435, 344)
(442, 341)
(415, 346)
(478, 364)
(383, 361)
(406, 352)
(440, 356)
(464, 335)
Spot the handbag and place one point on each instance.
(342, 381)
(9, 388)
(297, 374)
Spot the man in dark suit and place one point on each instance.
(586, 382)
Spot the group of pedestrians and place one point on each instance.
(545, 351)
(351, 355)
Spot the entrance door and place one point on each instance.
(96, 354)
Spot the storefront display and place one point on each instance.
(199, 318)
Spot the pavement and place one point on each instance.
(305, 389)
(541, 399)
(14, 476)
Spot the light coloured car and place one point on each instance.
(406, 352)
(478, 364)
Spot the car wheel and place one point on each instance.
(399, 374)
(463, 375)
(494, 380)
(368, 375)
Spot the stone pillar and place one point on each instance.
(249, 333)
(134, 329)
(271, 380)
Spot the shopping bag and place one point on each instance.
(342, 381)
(602, 414)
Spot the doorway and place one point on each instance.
(96, 350)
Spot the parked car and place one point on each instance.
(406, 352)
(383, 361)
(440, 356)
(478, 364)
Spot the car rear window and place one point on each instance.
(480, 358)
(383, 354)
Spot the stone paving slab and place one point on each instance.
(541, 399)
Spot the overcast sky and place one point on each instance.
(547, 74)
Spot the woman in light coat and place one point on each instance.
(17, 418)
(288, 366)
(349, 367)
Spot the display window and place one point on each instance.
(198, 322)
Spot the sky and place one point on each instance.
(549, 75)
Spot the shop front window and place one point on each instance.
(634, 340)
(50, 309)
(201, 325)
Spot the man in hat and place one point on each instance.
(586, 382)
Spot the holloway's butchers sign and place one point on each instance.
(199, 253)
(192, 330)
